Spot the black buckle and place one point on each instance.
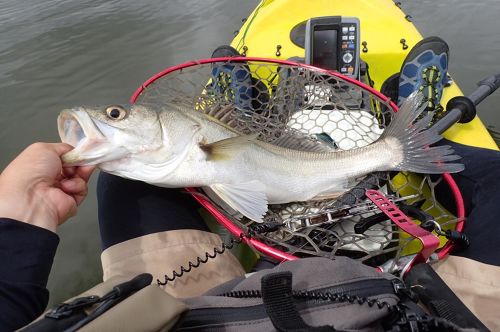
(403, 291)
(410, 321)
(67, 309)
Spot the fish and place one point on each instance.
(176, 146)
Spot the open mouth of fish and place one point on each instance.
(91, 146)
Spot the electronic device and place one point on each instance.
(332, 42)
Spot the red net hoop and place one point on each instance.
(274, 97)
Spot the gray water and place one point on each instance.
(56, 54)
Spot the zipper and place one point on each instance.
(354, 292)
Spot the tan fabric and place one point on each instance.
(161, 253)
(476, 284)
(151, 308)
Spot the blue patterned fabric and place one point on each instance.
(234, 82)
(425, 71)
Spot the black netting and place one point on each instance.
(324, 112)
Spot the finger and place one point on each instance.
(60, 148)
(79, 198)
(69, 171)
(85, 172)
(80, 195)
(71, 212)
(74, 186)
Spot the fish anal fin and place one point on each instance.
(336, 190)
(224, 149)
(327, 196)
(248, 198)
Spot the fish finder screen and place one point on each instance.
(325, 49)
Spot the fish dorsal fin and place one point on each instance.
(222, 114)
(248, 198)
(225, 148)
(302, 142)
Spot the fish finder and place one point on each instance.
(332, 42)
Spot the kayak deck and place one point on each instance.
(383, 26)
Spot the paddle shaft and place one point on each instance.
(462, 109)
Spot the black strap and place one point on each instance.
(445, 309)
(439, 298)
(278, 301)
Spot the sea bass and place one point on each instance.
(180, 147)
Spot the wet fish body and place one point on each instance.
(176, 147)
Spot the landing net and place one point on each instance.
(315, 110)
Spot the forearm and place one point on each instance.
(26, 256)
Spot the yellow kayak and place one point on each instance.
(386, 37)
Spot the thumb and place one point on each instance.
(60, 148)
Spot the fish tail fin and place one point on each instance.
(414, 140)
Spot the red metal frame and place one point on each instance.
(430, 242)
(460, 206)
(227, 223)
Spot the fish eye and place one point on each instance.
(116, 112)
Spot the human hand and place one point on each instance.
(36, 189)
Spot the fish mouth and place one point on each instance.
(91, 147)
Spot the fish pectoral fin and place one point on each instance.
(223, 149)
(248, 198)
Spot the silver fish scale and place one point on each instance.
(306, 109)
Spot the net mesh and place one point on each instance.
(312, 110)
